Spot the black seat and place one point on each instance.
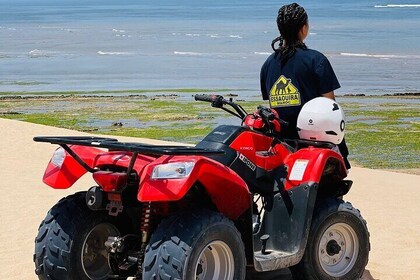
(220, 139)
(298, 144)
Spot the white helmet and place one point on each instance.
(321, 119)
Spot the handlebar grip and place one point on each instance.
(205, 97)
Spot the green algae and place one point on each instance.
(379, 134)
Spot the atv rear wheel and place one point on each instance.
(338, 244)
(199, 246)
(71, 241)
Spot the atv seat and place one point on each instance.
(220, 139)
(298, 144)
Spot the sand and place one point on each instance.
(389, 201)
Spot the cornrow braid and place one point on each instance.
(290, 20)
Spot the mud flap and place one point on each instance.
(287, 222)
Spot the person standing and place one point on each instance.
(294, 73)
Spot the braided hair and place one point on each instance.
(290, 19)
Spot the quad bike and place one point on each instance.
(241, 199)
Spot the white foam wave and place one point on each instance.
(235, 36)
(368, 55)
(113, 53)
(193, 35)
(398, 6)
(123, 35)
(41, 53)
(118, 30)
(262, 53)
(59, 28)
(382, 56)
(188, 53)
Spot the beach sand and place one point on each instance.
(389, 201)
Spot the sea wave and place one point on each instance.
(398, 6)
(210, 35)
(382, 56)
(41, 53)
(262, 53)
(59, 28)
(188, 53)
(123, 35)
(113, 53)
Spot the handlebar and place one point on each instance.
(266, 113)
(205, 97)
(218, 101)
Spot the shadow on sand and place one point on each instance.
(284, 274)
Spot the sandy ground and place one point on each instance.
(389, 201)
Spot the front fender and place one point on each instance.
(307, 165)
(226, 189)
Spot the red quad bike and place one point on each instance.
(241, 199)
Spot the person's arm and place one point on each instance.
(263, 77)
(329, 95)
(327, 80)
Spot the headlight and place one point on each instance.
(58, 157)
(172, 170)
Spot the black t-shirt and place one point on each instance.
(306, 75)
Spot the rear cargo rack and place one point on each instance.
(113, 144)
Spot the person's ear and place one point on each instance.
(303, 32)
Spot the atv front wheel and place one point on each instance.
(198, 246)
(70, 244)
(338, 244)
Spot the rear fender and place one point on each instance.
(63, 170)
(228, 192)
(307, 165)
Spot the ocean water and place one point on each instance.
(49, 45)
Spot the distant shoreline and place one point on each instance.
(399, 94)
(162, 93)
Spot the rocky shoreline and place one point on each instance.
(89, 95)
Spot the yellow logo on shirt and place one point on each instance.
(284, 93)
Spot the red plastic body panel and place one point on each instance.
(276, 158)
(70, 171)
(313, 160)
(249, 143)
(64, 176)
(254, 121)
(226, 189)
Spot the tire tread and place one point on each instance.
(52, 244)
(329, 206)
(168, 259)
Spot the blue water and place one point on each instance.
(374, 46)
